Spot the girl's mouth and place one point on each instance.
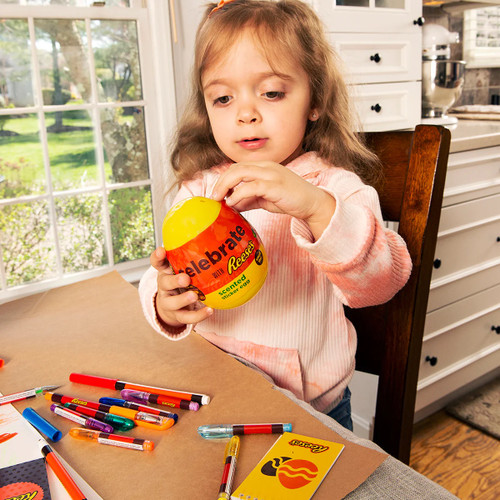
(252, 143)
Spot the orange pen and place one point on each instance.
(62, 474)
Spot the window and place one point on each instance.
(81, 125)
(482, 37)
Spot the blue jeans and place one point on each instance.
(342, 412)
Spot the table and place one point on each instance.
(97, 327)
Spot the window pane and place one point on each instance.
(390, 4)
(26, 243)
(131, 223)
(353, 3)
(15, 64)
(116, 58)
(124, 140)
(81, 233)
(62, 51)
(72, 152)
(21, 158)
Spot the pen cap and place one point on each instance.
(46, 428)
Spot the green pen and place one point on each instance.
(118, 422)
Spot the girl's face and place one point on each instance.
(256, 114)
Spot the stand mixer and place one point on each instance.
(442, 78)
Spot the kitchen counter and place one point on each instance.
(474, 134)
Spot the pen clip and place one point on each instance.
(150, 421)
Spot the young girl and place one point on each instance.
(269, 129)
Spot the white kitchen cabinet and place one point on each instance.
(370, 16)
(462, 330)
(380, 43)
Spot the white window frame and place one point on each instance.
(474, 55)
(154, 39)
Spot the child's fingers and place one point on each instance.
(167, 281)
(191, 317)
(158, 259)
(183, 308)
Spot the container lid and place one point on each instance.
(435, 34)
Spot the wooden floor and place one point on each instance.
(460, 458)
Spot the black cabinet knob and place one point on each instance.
(420, 21)
(376, 57)
(377, 108)
(437, 263)
(495, 328)
(498, 238)
(432, 360)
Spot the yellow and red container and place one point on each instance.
(218, 248)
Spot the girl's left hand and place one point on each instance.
(275, 188)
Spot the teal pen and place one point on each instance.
(228, 430)
(118, 422)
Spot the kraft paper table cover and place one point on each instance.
(97, 327)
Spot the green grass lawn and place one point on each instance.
(72, 153)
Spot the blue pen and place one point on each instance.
(138, 407)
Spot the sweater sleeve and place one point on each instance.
(366, 262)
(148, 285)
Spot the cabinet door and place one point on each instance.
(378, 58)
(387, 106)
(461, 333)
(370, 16)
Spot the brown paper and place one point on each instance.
(97, 327)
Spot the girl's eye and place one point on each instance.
(222, 100)
(274, 95)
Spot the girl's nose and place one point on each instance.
(247, 113)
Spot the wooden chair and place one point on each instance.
(390, 335)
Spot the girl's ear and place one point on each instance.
(313, 115)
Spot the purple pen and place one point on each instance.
(88, 422)
(159, 399)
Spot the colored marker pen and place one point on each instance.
(30, 393)
(90, 423)
(112, 439)
(111, 383)
(225, 431)
(119, 423)
(142, 419)
(148, 397)
(230, 458)
(62, 474)
(138, 407)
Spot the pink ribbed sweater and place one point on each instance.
(295, 329)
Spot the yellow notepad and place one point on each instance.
(293, 468)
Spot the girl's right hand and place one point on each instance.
(175, 307)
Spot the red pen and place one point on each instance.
(62, 474)
(109, 383)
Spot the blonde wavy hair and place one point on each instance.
(285, 29)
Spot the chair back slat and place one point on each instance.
(390, 335)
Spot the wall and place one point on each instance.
(480, 83)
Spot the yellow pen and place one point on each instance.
(140, 418)
(230, 458)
